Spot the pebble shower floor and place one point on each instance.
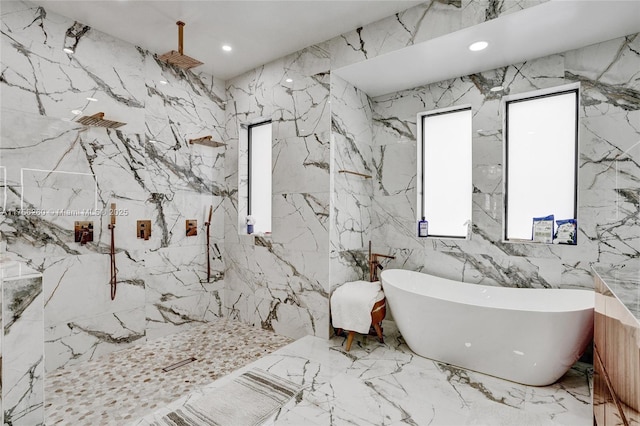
(121, 386)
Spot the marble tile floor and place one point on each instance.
(122, 386)
(386, 384)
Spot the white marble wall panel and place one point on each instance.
(422, 22)
(350, 111)
(394, 223)
(478, 11)
(177, 165)
(351, 199)
(175, 314)
(300, 221)
(281, 282)
(35, 142)
(348, 265)
(191, 115)
(78, 287)
(610, 152)
(40, 78)
(348, 157)
(180, 272)
(302, 108)
(352, 135)
(87, 338)
(52, 193)
(291, 276)
(352, 220)
(608, 73)
(23, 355)
(30, 136)
(282, 317)
(395, 168)
(301, 164)
(611, 219)
(249, 96)
(264, 276)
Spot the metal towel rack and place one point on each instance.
(355, 173)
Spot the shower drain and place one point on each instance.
(178, 364)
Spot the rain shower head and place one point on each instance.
(98, 120)
(179, 59)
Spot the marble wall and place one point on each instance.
(322, 219)
(354, 200)
(609, 171)
(54, 165)
(351, 195)
(281, 281)
(22, 378)
(426, 21)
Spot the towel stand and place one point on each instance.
(377, 315)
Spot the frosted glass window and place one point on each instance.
(444, 154)
(541, 152)
(259, 205)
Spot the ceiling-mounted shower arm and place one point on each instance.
(180, 25)
(178, 58)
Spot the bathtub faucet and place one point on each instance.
(374, 263)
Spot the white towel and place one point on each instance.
(351, 305)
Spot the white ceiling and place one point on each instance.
(258, 31)
(549, 28)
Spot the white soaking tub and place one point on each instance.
(529, 336)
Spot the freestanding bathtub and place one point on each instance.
(529, 336)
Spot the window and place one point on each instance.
(541, 155)
(259, 177)
(444, 171)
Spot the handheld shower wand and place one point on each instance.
(112, 227)
(208, 224)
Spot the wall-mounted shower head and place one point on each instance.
(98, 120)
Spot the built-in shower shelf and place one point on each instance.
(207, 141)
(98, 120)
(355, 173)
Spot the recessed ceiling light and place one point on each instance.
(478, 45)
(289, 80)
(68, 50)
(227, 48)
(164, 82)
(497, 89)
(76, 112)
(90, 99)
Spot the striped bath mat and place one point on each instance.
(249, 399)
